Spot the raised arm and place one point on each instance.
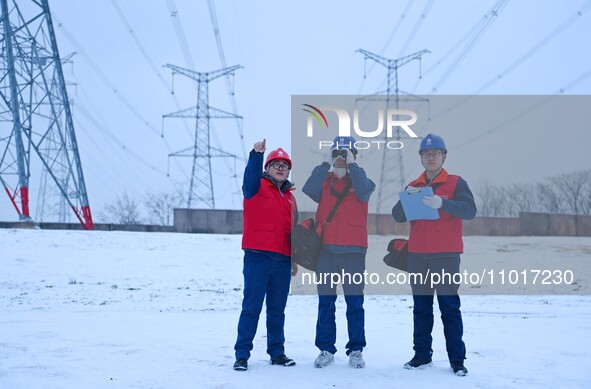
(254, 170)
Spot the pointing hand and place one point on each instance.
(261, 146)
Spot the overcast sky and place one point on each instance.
(121, 90)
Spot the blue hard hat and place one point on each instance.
(345, 142)
(432, 141)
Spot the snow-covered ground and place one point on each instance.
(156, 310)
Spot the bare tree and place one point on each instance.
(123, 210)
(550, 200)
(574, 190)
(492, 200)
(565, 193)
(520, 198)
(585, 199)
(160, 206)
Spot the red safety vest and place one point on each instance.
(349, 225)
(437, 236)
(268, 218)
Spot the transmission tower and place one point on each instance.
(201, 182)
(51, 204)
(392, 178)
(35, 109)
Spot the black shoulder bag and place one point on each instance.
(397, 256)
(306, 237)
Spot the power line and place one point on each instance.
(392, 170)
(401, 20)
(479, 33)
(140, 46)
(121, 149)
(89, 157)
(416, 27)
(470, 34)
(38, 107)
(180, 35)
(201, 184)
(105, 80)
(229, 86)
(568, 22)
(453, 48)
(147, 57)
(520, 115)
(119, 143)
(576, 81)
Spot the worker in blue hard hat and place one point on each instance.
(434, 246)
(342, 153)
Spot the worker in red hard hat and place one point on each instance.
(270, 211)
(275, 160)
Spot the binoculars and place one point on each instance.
(342, 153)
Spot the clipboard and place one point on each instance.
(414, 208)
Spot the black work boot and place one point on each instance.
(282, 360)
(459, 368)
(417, 363)
(241, 365)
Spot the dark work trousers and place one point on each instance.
(326, 328)
(266, 275)
(448, 300)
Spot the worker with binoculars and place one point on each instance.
(342, 196)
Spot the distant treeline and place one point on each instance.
(566, 193)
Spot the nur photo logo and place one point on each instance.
(394, 118)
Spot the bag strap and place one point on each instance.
(340, 198)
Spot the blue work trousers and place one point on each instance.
(449, 305)
(267, 276)
(326, 329)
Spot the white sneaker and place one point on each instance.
(324, 359)
(356, 359)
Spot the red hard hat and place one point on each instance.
(278, 154)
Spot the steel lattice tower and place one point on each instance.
(201, 182)
(392, 178)
(35, 109)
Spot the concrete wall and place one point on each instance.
(385, 225)
(230, 222)
(545, 224)
(537, 224)
(583, 225)
(18, 224)
(97, 227)
(492, 226)
(217, 221)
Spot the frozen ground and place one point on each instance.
(155, 310)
